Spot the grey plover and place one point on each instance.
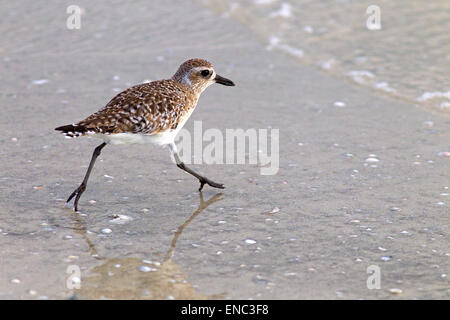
(148, 113)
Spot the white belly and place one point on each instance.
(161, 139)
(137, 138)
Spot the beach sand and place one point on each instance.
(339, 213)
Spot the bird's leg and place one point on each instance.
(79, 191)
(203, 180)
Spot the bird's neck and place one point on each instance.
(184, 80)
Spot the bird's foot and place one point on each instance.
(78, 192)
(213, 184)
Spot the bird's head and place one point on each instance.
(198, 74)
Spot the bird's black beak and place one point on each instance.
(224, 81)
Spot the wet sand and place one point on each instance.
(338, 213)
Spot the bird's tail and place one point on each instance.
(72, 130)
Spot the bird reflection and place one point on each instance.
(121, 278)
(80, 228)
(202, 206)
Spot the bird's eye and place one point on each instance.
(205, 73)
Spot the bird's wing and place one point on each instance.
(147, 108)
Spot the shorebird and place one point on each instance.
(150, 113)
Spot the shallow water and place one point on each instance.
(363, 178)
(409, 57)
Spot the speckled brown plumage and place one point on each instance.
(147, 108)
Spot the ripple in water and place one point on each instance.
(409, 57)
